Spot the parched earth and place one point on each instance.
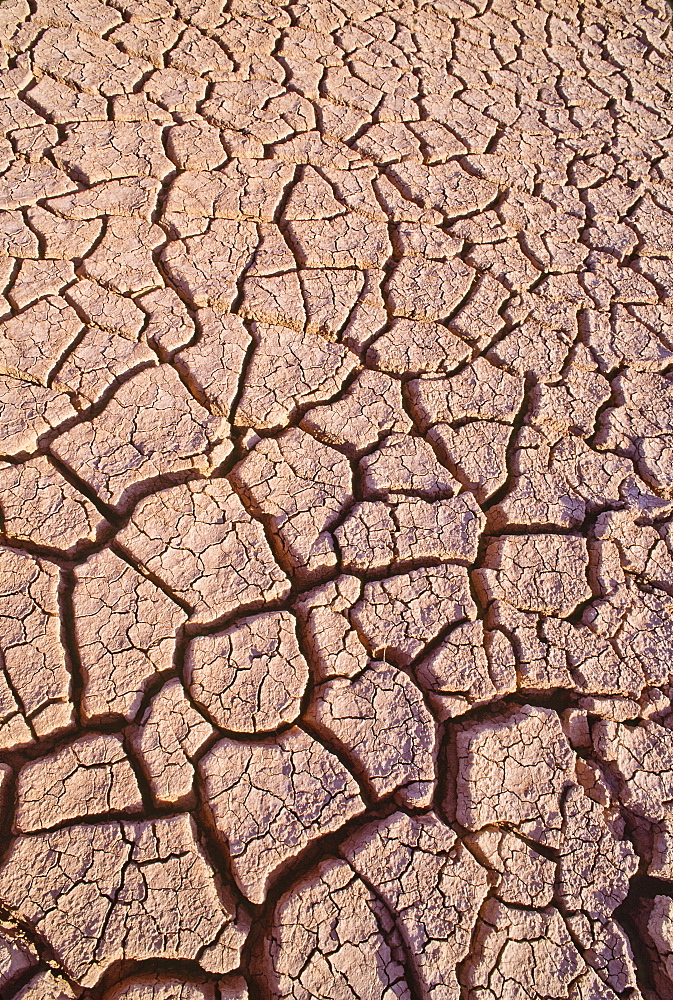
(336, 567)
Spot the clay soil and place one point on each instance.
(336, 493)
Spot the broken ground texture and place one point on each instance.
(336, 500)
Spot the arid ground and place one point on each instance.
(336, 553)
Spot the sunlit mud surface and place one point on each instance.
(336, 566)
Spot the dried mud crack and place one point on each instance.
(336, 496)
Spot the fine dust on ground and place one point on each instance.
(336, 482)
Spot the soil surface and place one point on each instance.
(336, 483)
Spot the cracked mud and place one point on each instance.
(336, 496)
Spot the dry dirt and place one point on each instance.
(336, 566)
